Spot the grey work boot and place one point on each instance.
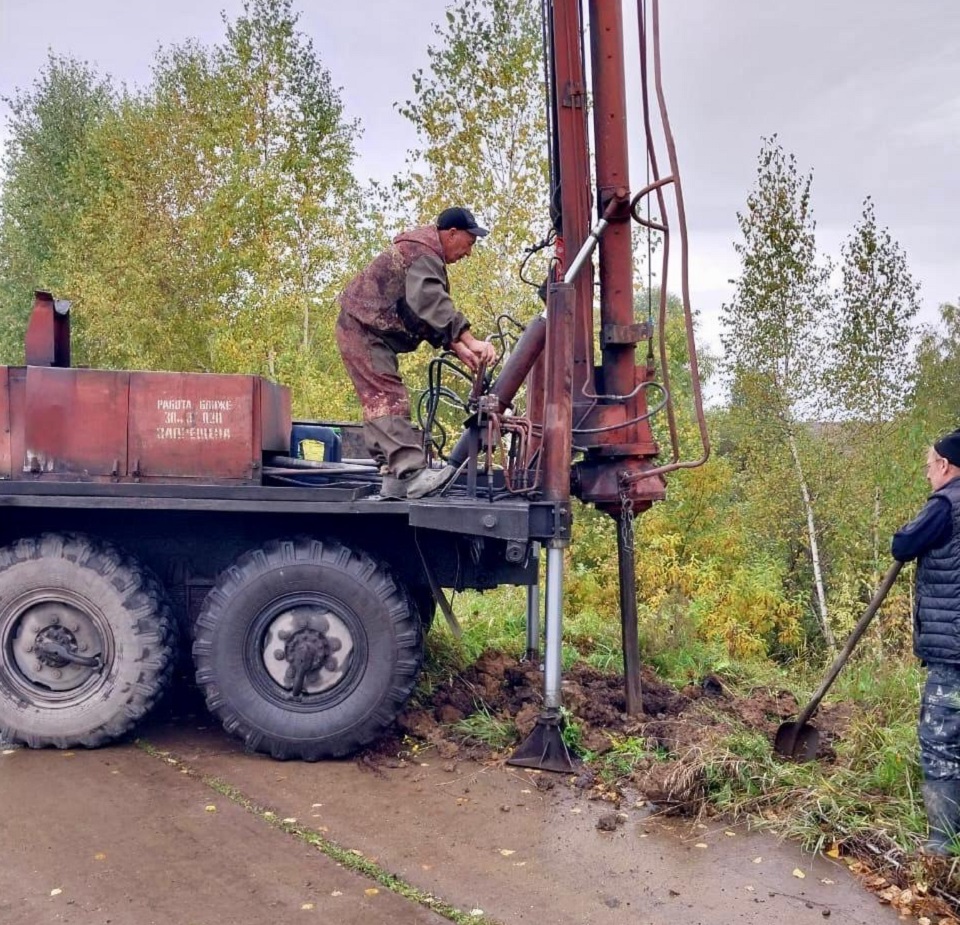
(393, 488)
(427, 481)
(941, 799)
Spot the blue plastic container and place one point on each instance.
(315, 442)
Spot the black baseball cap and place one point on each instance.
(458, 217)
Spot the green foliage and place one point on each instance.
(214, 214)
(44, 159)
(933, 400)
(878, 300)
(479, 111)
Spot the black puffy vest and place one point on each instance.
(936, 625)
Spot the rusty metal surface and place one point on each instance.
(17, 377)
(48, 332)
(616, 248)
(275, 418)
(194, 425)
(75, 422)
(570, 92)
(5, 458)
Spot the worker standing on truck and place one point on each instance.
(933, 539)
(401, 299)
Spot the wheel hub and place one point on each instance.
(44, 634)
(306, 650)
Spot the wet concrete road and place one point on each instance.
(127, 838)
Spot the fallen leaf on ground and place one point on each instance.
(359, 854)
(758, 860)
(210, 808)
(799, 874)
(827, 881)
(506, 852)
(290, 820)
(833, 851)
(307, 906)
(730, 834)
(56, 892)
(476, 912)
(99, 856)
(336, 893)
(750, 889)
(316, 805)
(701, 844)
(371, 891)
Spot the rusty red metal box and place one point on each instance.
(105, 425)
(210, 427)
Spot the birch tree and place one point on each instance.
(772, 330)
(870, 372)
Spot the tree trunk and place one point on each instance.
(814, 548)
(876, 561)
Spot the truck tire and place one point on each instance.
(86, 598)
(307, 649)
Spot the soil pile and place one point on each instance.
(676, 724)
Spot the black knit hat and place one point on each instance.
(949, 447)
(458, 217)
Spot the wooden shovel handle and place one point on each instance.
(854, 638)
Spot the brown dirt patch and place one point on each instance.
(682, 723)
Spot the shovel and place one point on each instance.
(799, 740)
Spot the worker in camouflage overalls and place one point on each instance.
(401, 299)
(933, 539)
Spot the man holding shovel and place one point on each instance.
(933, 539)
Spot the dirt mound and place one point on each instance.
(676, 724)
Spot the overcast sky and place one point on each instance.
(866, 93)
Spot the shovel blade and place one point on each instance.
(796, 741)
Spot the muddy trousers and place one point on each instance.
(939, 734)
(374, 369)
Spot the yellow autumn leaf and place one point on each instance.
(99, 856)
(371, 891)
(799, 874)
(307, 906)
(210, 808)
(833, 852)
